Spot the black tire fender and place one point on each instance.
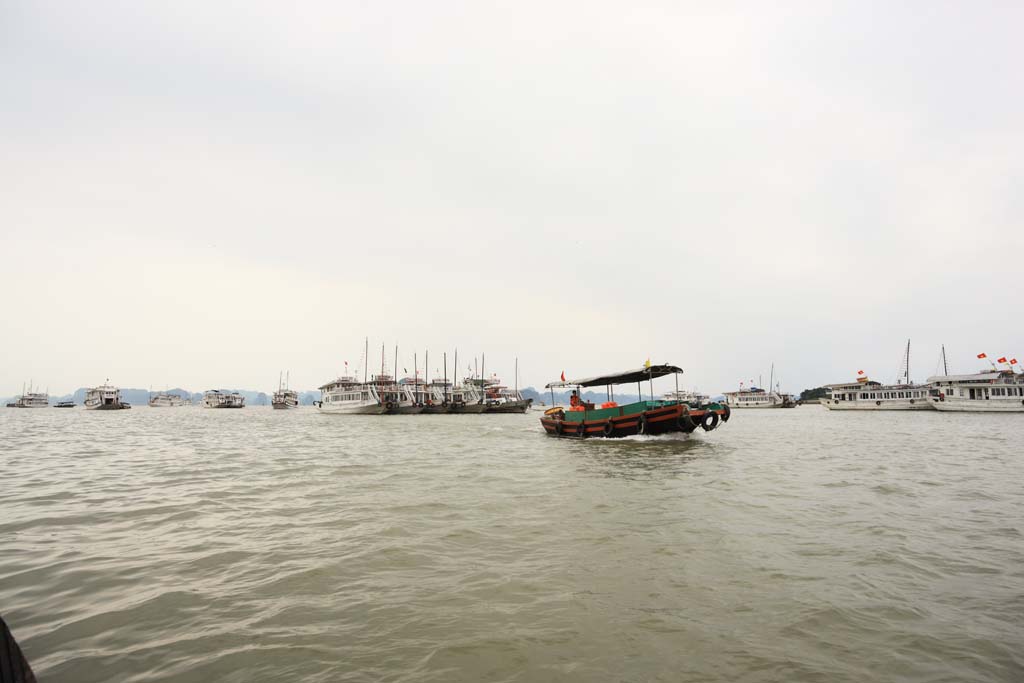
(685, 420)
(389, 405)
(581, 430)
(726, 412)
(609, 428)
(712, 417)
(641, 425)
(878, 403)
(559, 427)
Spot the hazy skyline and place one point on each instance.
(204, 193)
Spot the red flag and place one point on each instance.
(563, 375)
(981, 355)
(1013, 361)
(860, 372)
(1002, 360)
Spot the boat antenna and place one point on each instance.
(366, 359)
(445, 393)
(483, 393)
(771, 380)
(945, 365)
(517, 374)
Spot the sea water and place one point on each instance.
(183, 544)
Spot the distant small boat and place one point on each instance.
(216, 398)
(105, 397)
(284, 398)
(65, 404)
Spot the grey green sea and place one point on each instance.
(185, 544)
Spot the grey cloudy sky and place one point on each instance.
(203, 193)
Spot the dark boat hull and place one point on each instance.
(676, 418)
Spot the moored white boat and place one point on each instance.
(31, 399)
(876, 396)
(758, 398)
(104, 397)
(1000, 391)
(284, 398)
(468, 397)
(217, 398)
(165, 400)
(347, 396)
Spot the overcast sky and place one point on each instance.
(205, 193)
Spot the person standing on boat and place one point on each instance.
(574, 399)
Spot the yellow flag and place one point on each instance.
(647, 363)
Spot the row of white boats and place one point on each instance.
(999, 391)
(995, 391)
(380, 395)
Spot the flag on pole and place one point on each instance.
(563, 375)
(860, 372)
(1002, 360)
(647, 363)
(1013, 361)
(981, 355)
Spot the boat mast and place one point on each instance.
(445, 393)
(945, 365)
(366, 360)
(771, 380)
(908, 361)
(483, 370)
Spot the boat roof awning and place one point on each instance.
(627, 377)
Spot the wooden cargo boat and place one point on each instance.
(610, 420)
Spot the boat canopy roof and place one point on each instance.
(627, 377)
(979, 377)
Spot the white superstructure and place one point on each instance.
(347, 396)
(104, 397)
(876, 396)
(216, 398)
(984, 392)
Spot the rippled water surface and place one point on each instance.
(257, 545)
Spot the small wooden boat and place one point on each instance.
(610, 420)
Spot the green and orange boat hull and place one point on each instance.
(643, 417)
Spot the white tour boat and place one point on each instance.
(684, 396)
(502, 399)
(999, 391)
(163, 399)
(284, 398)
(864, 394)
(469, 397)
(347, 396)
(216, 398)
(104, 397)
(758, 398)
(876, 396)
(31, 399)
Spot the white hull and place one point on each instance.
(891, 404)
(761, 406)
(352, 408)
(955, 404)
